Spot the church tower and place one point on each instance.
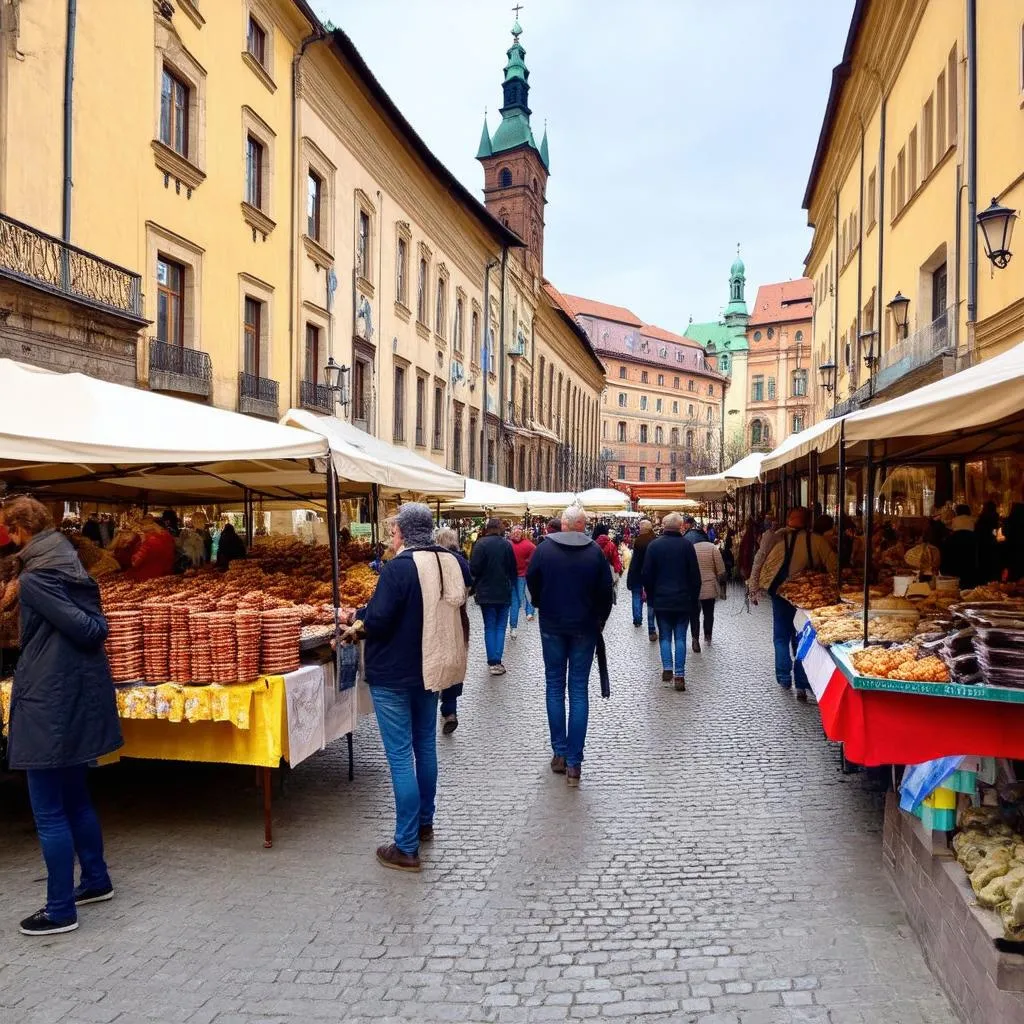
(515, 168)
(736, 315)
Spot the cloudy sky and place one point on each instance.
(677, 128)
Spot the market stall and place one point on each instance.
(603, 500)
(482, 498)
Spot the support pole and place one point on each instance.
(840, 502)
(332, 536)
(268, 820)
(869, 523)
(247, 512)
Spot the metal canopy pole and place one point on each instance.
(332, 536)
(840, 502)
(869, 523)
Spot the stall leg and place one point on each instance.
(268, 799)
(351, 758)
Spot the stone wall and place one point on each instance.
(984, 985)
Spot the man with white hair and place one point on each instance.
(672, 581)
(571, 583)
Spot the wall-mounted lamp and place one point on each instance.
(996, 225)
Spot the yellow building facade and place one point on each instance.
(226, 199)
(898, 177)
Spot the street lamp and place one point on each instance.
(996, 225)
(899, 306)
(336, 381)
(827, 372)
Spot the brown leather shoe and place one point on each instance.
(426, 833)
(572, 776)
(679, 682)
(392, 857)
(696, 646)
(801, 695)
(666, 675)
(653, 637)
(558, 765)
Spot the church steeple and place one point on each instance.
(737, 283)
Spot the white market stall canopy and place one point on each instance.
(669, 504)
(711, 486)
(548, 502)
(603, 499)
(362, 457)
(486, 497)
(820, 437)
(716, 485)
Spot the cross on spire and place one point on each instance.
(516, 10)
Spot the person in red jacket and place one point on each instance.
(608, 548)
(155, 554)
(524, 549)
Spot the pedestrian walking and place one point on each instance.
(493, 567)
(523, 548)
(417, 636)
(712, 586)
(571, 583)
(635, 579)
(609, 549)
(447, 538)
(550, 527)
(63, 713)
(793, 550)
(672, 581)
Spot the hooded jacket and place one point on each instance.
(570, 582)
(63, 711)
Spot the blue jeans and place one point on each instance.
(67, 827)
(519, 600)
(787, 669)
(408, 728)
(568, 658)
(450, 700)
(638, 611)
(495, 620)
(673, 626)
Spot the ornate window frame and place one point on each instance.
(188, 170)
(260, 218)
(313, 159)
(364, 275)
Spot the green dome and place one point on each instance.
(738, 269)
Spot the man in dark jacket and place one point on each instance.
(406, 711)
(63, 712)
(635, 579)
(493, 565)
(571, 583)
(671, 578)
(692, 532)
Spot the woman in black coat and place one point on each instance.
(63, 711)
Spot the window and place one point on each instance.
(771, 389)
(398, 428)
(459, 346)
(643, 376)
(679, 355)
(473, 434)
(474, 338)
(439, 307)
(757, 335)
(174, 112)
(952, 108)
(657, 473)
(901, 179)
(643, 403)
(799, 335)
(252, 333)
(659, 435)
(622, 400)
(604, 430)
(643, 433)
(689, 439)
(711, 413)
(363, 246)
(872, 200)
(256, 42)
(620, 432)
(675, 408)
(939, 291)
(940, 116)
(756, 433)
(421, 293)
(723, 363)
(622, 472)
(709, 441)
(312, 364)
(623, 373)
(927, 137)
(798, 422)
(314, 199)
(490, 460)
(661, 380)
(457, 439)
(421, 410)
(689, 410)
(912, 167)
(757, 389)
(170, 302)
(438, 434)
(673, 438)
(642, 474)
(505, 177)
(672, 474)
(675, 383)
(253, 172)
(711, 390)
(799, 383)
(402, 272)
(657, 405)
(771, 333)
(690, 386)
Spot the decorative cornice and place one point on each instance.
(259, 71)
(1005, 325)
(317, 253)
(189, 7)
(174, 165)
(257, 220)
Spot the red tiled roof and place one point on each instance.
(660, 334)
(561, 303)
(787, 300)
(590, 307)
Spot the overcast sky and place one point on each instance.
(677, 128)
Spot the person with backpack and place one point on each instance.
(794, 549)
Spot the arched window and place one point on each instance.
(659, 435)
(620, 432)
(504, 177)
(689, 439)
(799, 335)
(755, 433)
(673, 437)
(723, 363)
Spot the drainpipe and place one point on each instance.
(315, 37)
(881, 234)
(380, 325)
(835, 294)
(488, 267)
(958, 250)
(69, 84)
(860, 243)
(972, 170)
(501, 364)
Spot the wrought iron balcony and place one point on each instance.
(936, 339)
(52, 265)
(176, 368)
(316, 397)
(258, 396)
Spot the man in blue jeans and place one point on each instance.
(671, 578)
(635, 579)
(571, 583)
(493, 567)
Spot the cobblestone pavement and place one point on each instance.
(714, 867)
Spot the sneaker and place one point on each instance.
(801, 695)
(98, 895)
(451, 723)
(558, 765)
(679, 683)
(512, 633)
(493, 669)
(572, 776)
(696, 646)
(666, 675)
(653, 637)
(40, 923)
(426, 833)
(529, 618)
(498, 670)
(392, 857)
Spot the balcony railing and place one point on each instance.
(176, 368)
(936, 339)
(258, 396)
(47, 263)
(316, 397)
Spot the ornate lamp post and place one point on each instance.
(336, 381)
(899, 306)
(996, 225)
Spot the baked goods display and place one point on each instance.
(810, 589)
(839, 629)
(903, 663)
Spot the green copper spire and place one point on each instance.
(485, 142)
(737, 282)
(544, 148)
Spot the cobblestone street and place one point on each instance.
(714, 866)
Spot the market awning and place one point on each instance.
(362, 457)
(482, 496)
(711, 486)
(669, 504)
(715, 485)
(548, 502)
(821, 437)
(603, 499)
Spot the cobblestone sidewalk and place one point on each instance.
(714, 867)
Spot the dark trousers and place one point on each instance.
(708, 607)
